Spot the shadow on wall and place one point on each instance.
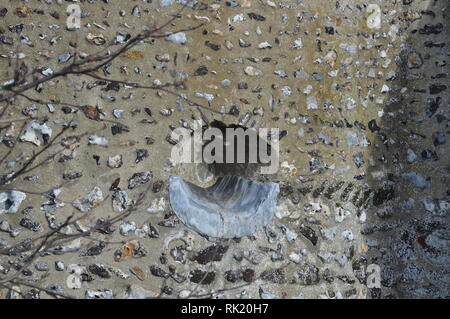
(407, 230)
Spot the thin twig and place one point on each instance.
(48, 291)
(76, 67)
(162, 87)
(34, 254)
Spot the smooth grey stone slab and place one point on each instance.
(233, 207)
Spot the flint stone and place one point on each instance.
(87, 203)
(179, 38)
(36, 133)
(10, 201)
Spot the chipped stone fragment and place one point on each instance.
(10, 201)
(99, 270)
(179, 38)
(29, 224)
(37, 133)
(308, 274)
(41, 266)
(264, 45)
(330, 58)
(127, 228)
(98, 140)
(120, 201)
(139, 179)
(96, 39)
(252, 71)
(115, 161)
(201, 277)
(90, 201)
(59, 266)
(211, 253)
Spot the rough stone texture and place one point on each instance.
(364, 156)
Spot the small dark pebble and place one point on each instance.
(119, 129)
(104, 227)
(201, 277)
(275, 276)
(141, 154)
(211, 253)
(431, 29)
(232, 4)
(437, 88)
(383, 194)
(158, 272)
(139, 179)
(112, 86)
(29, 224)
(100, 271)
(149, 140)
(242, 86)
(233, 275)
(153, 232)
(167, 290)
(156, 188)
(309, 233)
(202, 70)
(429, 155)
(215, 47)
(94, 250)
(256, 17)
(329, 30)
(248, 275)
(234, 110)
(72, 175)
(67, 110)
